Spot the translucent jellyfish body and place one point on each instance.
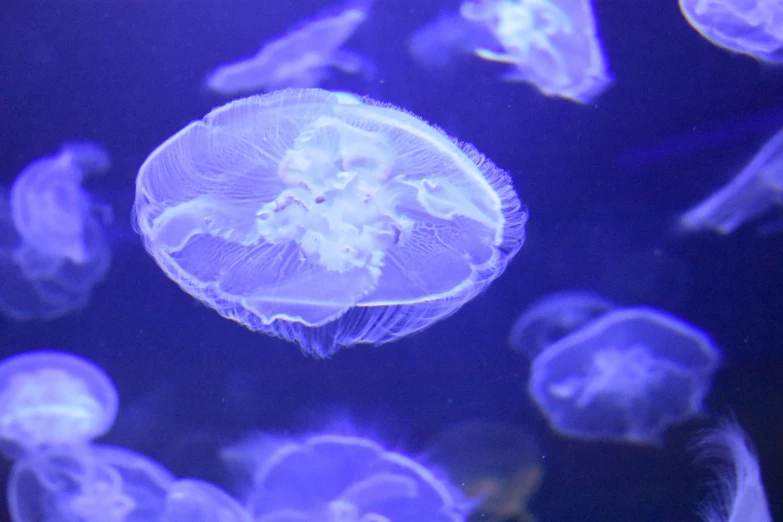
(191, 500)
(53, 399)
(626, 376)
(323, 221)
(88, 484)
(552, 44)
(553, 317)
(335, 478)
(753, 27)
(53, 248)
(757, 189)
(739, 495)
(300, 58)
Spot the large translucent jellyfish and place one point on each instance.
(300, 58)
(552, 44)
(495, 463)
(53, 399)
(553, 317)
(626, 376)
(88, 484)
(53, 248)
(190, 500)
(739, 495)
(320, 220)
(331, 478)
(753, 27)
(757, 189)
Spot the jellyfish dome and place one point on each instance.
(311, 217)
(53, 399)
(626, 376)
(335, 477)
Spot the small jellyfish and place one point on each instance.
(752, 27)
(300, 58)
(756, 190)
(552, 44)
(334, 477)
(498, 464)
(53, 399)
(190, 500)
(88, 484)
(739, 495)
(626, 376)
(553, 317)
(53, 247)
(323, 221)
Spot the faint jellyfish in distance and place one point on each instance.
(554, 316)
(626, 376)
(53, 399)
(326, 222)
(756, 190)
(754, 28)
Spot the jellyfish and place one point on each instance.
(626, 376)
(92, 483)
(190, 500)
(756, 190)
(326, 222)
(752, 27)
(335, 477)
(552, 44)
(739, 496)
(441, 41)
(50, 398)
(300, 58)
(553, 317)
(498, 464)
(53, 247)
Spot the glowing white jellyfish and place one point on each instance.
(626, 376)
(53, 248)
(190, 500)
(89, 484)
(308, 216)
(337, 477)
(53, 399)
(739, 495)
(757, 189)
(300, 58)
(753, 27)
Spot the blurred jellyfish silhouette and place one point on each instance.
(497, 464)
(739, 493)
(749, 27)
(626, 376)
(338, 477)
(53, 399)
(756, 190)
(88, 483)
(552, 44)
(53, 248)
(190, 500)
(300, 58)
(323, 221)
(552, 317)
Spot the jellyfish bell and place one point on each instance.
(50, 398)
(553, 317)
(327, 222)
(626, 376)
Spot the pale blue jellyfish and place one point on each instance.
(553, 317)
(752, 27)
(53, 247)
(308, 216)
(300, 58)
(53, 399)
(739, 493)
(88, 484)
(756, 190)
(626, 376)
(338, 477)
(190, 500)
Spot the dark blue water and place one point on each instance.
(605, 183)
